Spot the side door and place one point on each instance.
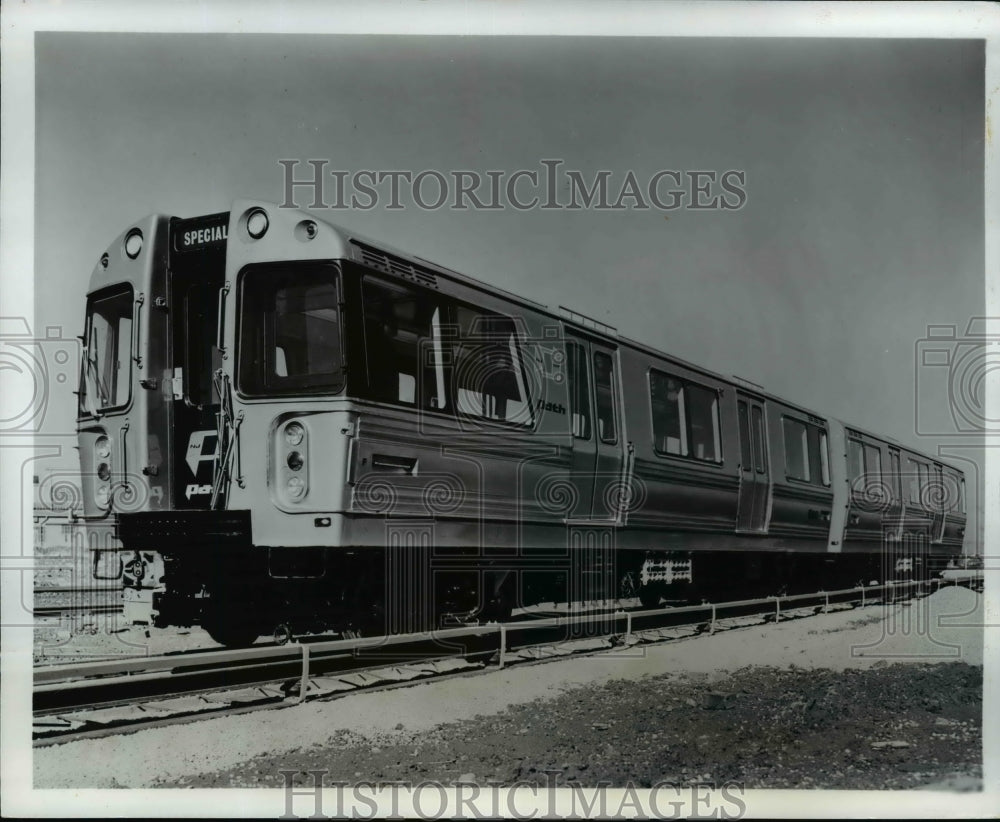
(598, 461)
(753, 509)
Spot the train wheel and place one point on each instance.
(230, 622)
(650, 595)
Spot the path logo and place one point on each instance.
(198, 443)
(193, 489)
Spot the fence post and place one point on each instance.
(711, 629)
(628, 626)
(777, 609)
(503, 643)
(826, 603)
(862, 596)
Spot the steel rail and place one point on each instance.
(62, 687)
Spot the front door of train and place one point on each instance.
(598, 461)
(197, 270)
(754, 507)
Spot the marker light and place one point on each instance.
(295, 461)
(102, 447)
(103, 495)
(104, 472)
(296, 487)
(294, 434)
(257, 223)
(133, 243)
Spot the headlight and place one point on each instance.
(133, 243)
(257, 223)
(102, 447)
(103, 495)
(294, 434)
(296, 487)
(295, 461)
(104, 472)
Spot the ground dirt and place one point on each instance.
(878, 697)
(893, 726)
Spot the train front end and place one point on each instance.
(122, 415)
(211, 387)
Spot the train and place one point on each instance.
(294, 428)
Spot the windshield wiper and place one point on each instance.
(92, 380)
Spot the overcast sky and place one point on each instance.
(863, 222)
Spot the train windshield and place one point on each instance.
(107, 355)
(290, 337)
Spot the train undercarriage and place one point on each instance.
(240, 594)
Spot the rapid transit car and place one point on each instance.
(295, 428)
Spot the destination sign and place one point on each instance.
(201, 233)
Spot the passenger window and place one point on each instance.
(669, 423)
(807, 455)
(403, 344)
(488, 373)
(855, 462)
(605, 395)
(895, 479)
(824, 457)
(579, 389)
(746, 459)
(873, 469)
(913, 478)
(760, 463)
(685, 418)
(704, 416)
(796, 450)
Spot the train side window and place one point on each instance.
(604, 390)
(685, 418)
(807, 455)
(746, 459)
(579, 389)
(873, 468)
(961, 495)
(913, 479)
(703, 404)
(669, 419)
(824, 457)
(855, 462)
(488, 372)
(760, 463)
(796, 450)
(403, 345)
(895, 479)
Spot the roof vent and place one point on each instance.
(391, 264)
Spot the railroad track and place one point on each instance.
(96, 698)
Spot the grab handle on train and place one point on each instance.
(220, 335)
